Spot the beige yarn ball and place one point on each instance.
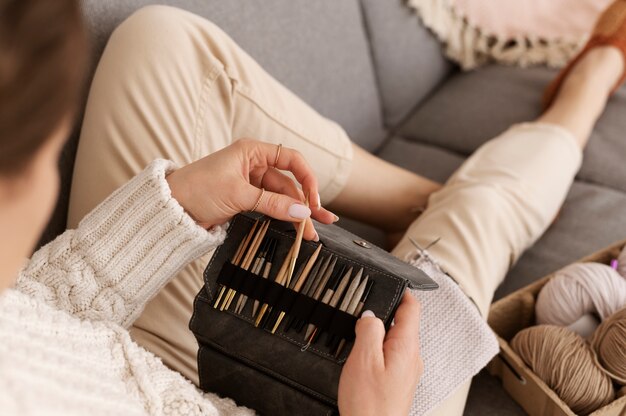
(609, 343)
(566, 363)
(579, 289)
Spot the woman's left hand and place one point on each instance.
(383, 370)
(215, 188)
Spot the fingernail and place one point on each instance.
(368, 314)
(336, 218)
(317, 237)
(299, 211)
(319, 201)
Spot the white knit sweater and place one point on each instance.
(64, 344)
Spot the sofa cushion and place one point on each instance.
(318, 49)
(407, 57)
(473, 107)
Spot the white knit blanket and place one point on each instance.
(512, 32)
(455, 340)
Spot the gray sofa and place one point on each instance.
(372, 67)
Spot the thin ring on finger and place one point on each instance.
(280, 146)
(258, 201)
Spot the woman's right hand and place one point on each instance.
(215, 188)
(382, 371)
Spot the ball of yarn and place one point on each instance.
(585, 326)
(579, 289)
(609, 343)
(566, 363)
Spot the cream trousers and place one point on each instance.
(173, 85)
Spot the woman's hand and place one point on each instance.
(213, 189)
(382, 372)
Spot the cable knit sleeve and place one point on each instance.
(121, 254)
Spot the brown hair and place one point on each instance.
(43, 55)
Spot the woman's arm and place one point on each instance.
(128, 248)
(121, 254)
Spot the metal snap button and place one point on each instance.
(362, 243)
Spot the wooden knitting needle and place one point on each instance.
(266, 272)
(356, 305)
(350, 292)
(257, 266)
(333, 283)
(347, 297)
(298, 273)
(279, 276)
(242, 264)
(318, 271)
(331, 297)
(300, 281)
(318, 291)
(285, 279)
(296, 277)
(247, 261)
(262, 270)
(297, 244)
(237, 258)
(249, 258)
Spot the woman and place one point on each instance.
(62, 330)
(64, 344)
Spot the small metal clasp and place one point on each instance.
(362, 243)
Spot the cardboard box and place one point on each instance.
(515, 312)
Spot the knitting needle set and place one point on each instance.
(275, 319)
(320, 277)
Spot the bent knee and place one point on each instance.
(155, 17)
(164, 30)
(160, 35)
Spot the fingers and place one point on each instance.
(324, 216)
(275, 181)
(368, 345)
(276, 205)
(264, 155)
(403, 337)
